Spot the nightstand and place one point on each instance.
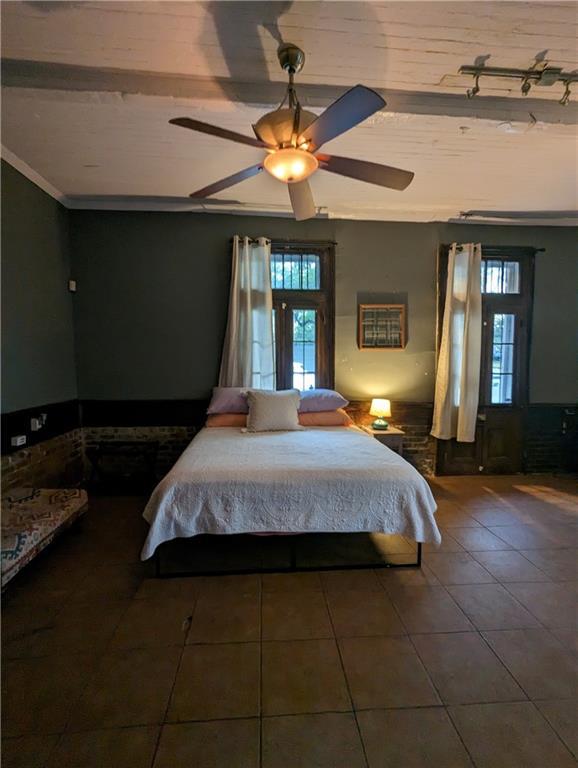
(392, 437)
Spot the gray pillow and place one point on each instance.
(273, 411)
(315, 400)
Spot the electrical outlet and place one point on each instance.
(72, 286)
(17, 441)
(36, 424)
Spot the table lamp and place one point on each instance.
(380, 408)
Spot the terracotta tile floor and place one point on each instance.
(470, 661)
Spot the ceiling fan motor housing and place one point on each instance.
(291, 57)
(276, 127)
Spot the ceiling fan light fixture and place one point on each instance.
(291, 165)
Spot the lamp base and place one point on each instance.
(380, 424)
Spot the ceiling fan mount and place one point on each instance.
(292, 136)
(291, 58)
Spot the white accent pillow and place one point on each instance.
(273, 411)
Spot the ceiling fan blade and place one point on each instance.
(352, 108)
(372, 173)
(230, 181)
(302, 200)
(221, 133)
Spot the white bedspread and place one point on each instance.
(327, 479)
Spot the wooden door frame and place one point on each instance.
(322, 300)
(523, 301)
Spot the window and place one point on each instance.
(506, 306)
(304, 348)
(500, 276)
(502, 358)
(303, 315)
(295, 271)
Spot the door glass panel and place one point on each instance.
(295, 271)
(503, 339)
(500, 276)
(304, 348)
(511, 277)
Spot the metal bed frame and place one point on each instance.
(291, 568)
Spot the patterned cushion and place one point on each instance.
(31, 518)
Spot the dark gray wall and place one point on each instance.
(153, 288)
(38, 365)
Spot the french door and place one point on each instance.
(507, 280)
(302, 277)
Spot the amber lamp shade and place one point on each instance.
(382, 409)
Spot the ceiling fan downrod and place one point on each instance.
(291, 58)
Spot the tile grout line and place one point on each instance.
(495, 583)
(456, 729)
(353, 710)
(90, 677)
(434, 686)
(443, 704)
(550, 580)
(170, 696)
(554, 731)
(503, 663)
(519, 602)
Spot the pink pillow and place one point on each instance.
(336, 418)
(226, 420)
(228, 400)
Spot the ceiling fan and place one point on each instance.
(292, 137)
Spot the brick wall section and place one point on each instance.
(172, 441)
(54, 463)
(419, 447)
(551, 445)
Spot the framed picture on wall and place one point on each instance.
(381, 326)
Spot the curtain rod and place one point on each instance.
(250, 239)
(282, 242)
(504, 249)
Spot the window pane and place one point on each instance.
(511, 277)
(500, 276)
(493, 277)
(304, 348)
(503, 339)
(295, 271)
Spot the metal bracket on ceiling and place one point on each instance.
(471, 92)
(540, 74)
(566, 96)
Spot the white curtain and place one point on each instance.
(458, 371)
(248, 353)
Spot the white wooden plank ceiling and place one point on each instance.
(90, 87)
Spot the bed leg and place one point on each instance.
(293, 555)
(418, 563)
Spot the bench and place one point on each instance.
(31, 519)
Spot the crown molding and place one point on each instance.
(235, 207)
(33, 175)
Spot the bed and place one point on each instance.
(315, 480)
